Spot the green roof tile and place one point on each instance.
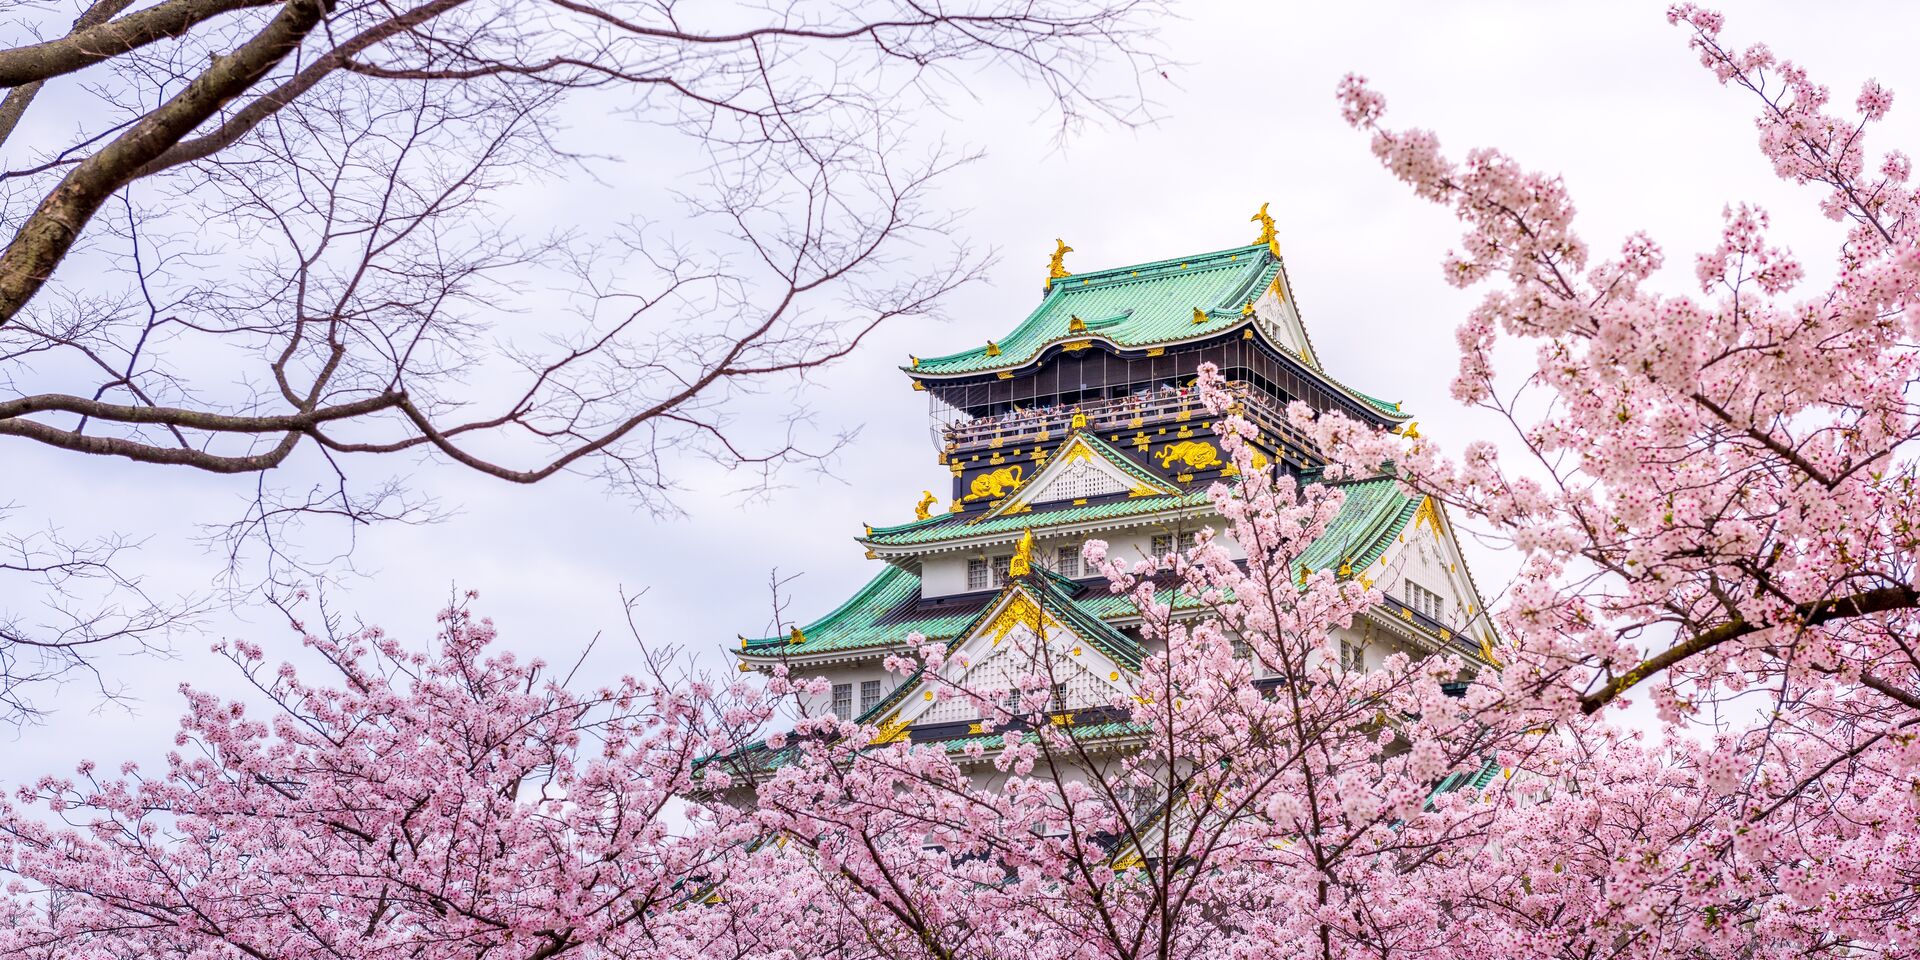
(1134, 306)
(1140, 306)
(1374, 513)
(890, 607)
(957, 528)
(880, 615)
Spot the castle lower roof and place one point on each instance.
(892, 605)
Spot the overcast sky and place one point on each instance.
(1605, 93)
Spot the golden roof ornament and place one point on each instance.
(993, 349)
(1268, 234)
(924, 508)
(1079, 421)
(1022, 563)
(1057, 265)
(796, 636)
(1076, 325)
(1411, 431)
(1199, 316)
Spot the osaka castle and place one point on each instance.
(1081, 422)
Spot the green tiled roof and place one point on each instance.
(758, 758)
(1055, 595)
(889, 607)
(1374, 513)
(955, 527)
(1139, 306)
(1384, 406)
(1134, 306)
(1091, 731)
(880, 615)
(1053, 592)
(1476, 779)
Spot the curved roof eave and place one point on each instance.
(1385, 408)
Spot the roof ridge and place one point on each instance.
(1135, 506)
(929, 521)
(1168, 264)
(1113, 277)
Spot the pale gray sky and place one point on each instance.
(1606, 93)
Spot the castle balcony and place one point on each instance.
(1045, 422)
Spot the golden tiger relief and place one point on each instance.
(996, 483)
(1196, 454)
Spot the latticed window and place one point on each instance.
(843, 701)
(1068, 564)
(1163, 543)
(1425, 601)
(1352, 655)
(1082, 479)
(869, 695)
(988, 572)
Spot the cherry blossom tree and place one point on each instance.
(1204, 808)
(1712, 494)
(301, 243)
(459, 803)
(456, 803)
(1712, 501)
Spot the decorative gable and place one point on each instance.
(1280, 321)
(1075, 684)
(1017, 636)
(1083, 467)
(1082, 478)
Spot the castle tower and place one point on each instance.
(1080, 423)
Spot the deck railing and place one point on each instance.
(1111, 414)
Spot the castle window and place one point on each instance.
(1425, 601)
(1352, 655)
(988, 572)
(869, 695)
(1068, 564)
(1163, 542)
(843, 701)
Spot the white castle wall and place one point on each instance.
(945, 574)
